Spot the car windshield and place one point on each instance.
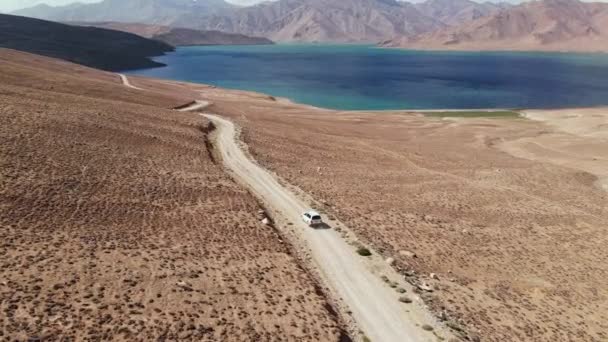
(316, 217)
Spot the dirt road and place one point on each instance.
(374, 305)
(196, 105)
(126, 83)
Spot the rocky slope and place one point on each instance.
(162, 12)
(324, 20)
(283, 20)
(181, 36)
(455, 12)
(96, 47)
(552, 25)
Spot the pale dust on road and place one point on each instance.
(374, 305)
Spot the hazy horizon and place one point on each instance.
(7, 6)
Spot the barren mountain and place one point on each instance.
(101, 48)
(284, 20)
(180, 36)
(323, 20)
(552, 25)
(455, 12)
(163, 12)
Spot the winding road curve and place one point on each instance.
(373, 304)
(196, 105)
(126, 83)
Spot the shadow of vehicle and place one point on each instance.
(321, 226)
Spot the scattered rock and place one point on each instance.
(184, 285)
(425, 287)
(474, 338)
(362, 251)
(427, 327)
(405, 300)
(408, 254)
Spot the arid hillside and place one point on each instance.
(545, 25)
(454, 12)
(284, 20)
(502, 247)
(116, 223)
(91, 46)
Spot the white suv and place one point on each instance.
(312, 218)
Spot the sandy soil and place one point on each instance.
(513, 248)
(576, 138)
(117, 223)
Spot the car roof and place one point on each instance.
(313, 213)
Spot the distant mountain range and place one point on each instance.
(323, 20)
(283, 20)
(548, 25)
(454, 12)
(95, 47)
(180, 36)
(435, 24)
(158, 12)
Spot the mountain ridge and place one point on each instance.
(554, 25)
(546, 25)
(283, 20)
(179, 36)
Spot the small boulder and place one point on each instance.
(407, 254)
(425, 287)
(184, 285)
(405, 300)
(266, 221)
(390, 261)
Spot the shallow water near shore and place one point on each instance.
(363, 77)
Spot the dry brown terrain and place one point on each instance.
(546, 25)
(516, 245)
(117, 224)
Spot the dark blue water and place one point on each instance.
(365, 77)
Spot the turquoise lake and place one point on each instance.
(361, 77)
